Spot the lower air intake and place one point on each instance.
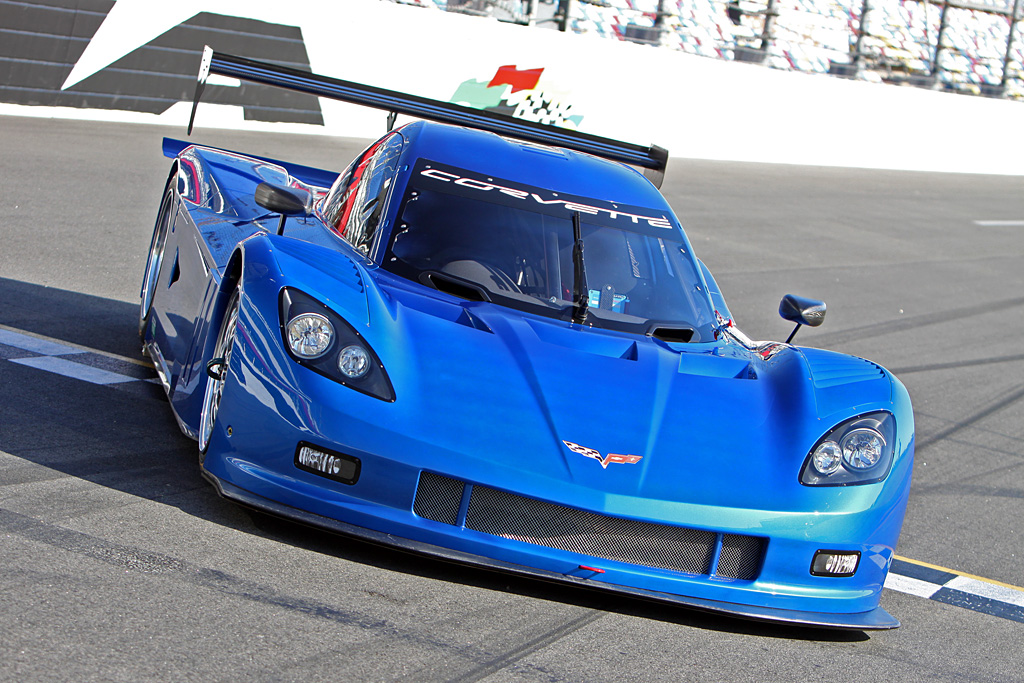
(741, 557)
(438, 498)
(623, 540)
(550, 525)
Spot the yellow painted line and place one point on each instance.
(136, 361)
(958, 573)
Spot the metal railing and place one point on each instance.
(968, 46)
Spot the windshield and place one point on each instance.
(512, 244)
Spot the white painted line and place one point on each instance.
(999, 224)
(905, 584)
(987, 590)
(74, 370)
(36, 345)
(77, 348)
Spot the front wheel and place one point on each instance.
(217, 369)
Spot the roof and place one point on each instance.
(551, 168)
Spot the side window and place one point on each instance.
(355, 204)
(339, 200)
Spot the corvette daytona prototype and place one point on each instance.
(491, 341)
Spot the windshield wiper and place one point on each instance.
(580, 291)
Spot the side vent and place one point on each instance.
(175, 270)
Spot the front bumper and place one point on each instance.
(272, 405)
(874, 619)
(255, 466)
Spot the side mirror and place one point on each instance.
(801, 311)
(287, 201)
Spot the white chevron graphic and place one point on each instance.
(134, 23)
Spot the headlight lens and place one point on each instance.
(858, 451)
(353, 361)
(827, 458)
(309, 335)
(862, 449)
(318, 338)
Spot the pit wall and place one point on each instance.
(135, 60)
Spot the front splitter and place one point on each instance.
(872, 620)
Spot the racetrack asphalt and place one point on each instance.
(119, 563)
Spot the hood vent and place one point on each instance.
(470, 319)
(586, 340)
(722, 367)
(456, 286)
(829, 369)
(674, 334)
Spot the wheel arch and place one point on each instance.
(233, 277)
(229, 282)
(169, 198)
(241, 266)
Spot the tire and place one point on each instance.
(156, 256)
(217, 369)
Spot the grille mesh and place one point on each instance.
(623, 540)
(550, 525)
(741, 556)
(438, 498)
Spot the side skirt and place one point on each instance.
(153, 351)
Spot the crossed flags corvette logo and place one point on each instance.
(604, 460)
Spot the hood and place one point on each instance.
(505, 396)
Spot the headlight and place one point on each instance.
(858, 451)
(862, 449)
(827, 458)
(309, 335)
(318, 338)
(354, 361)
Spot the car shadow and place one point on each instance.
(358, 550)
(124, 437)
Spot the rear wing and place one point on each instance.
(652, 159)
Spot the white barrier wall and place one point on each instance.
(694, 106)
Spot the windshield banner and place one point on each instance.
(436, 177)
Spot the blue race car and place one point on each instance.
(492, 342)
